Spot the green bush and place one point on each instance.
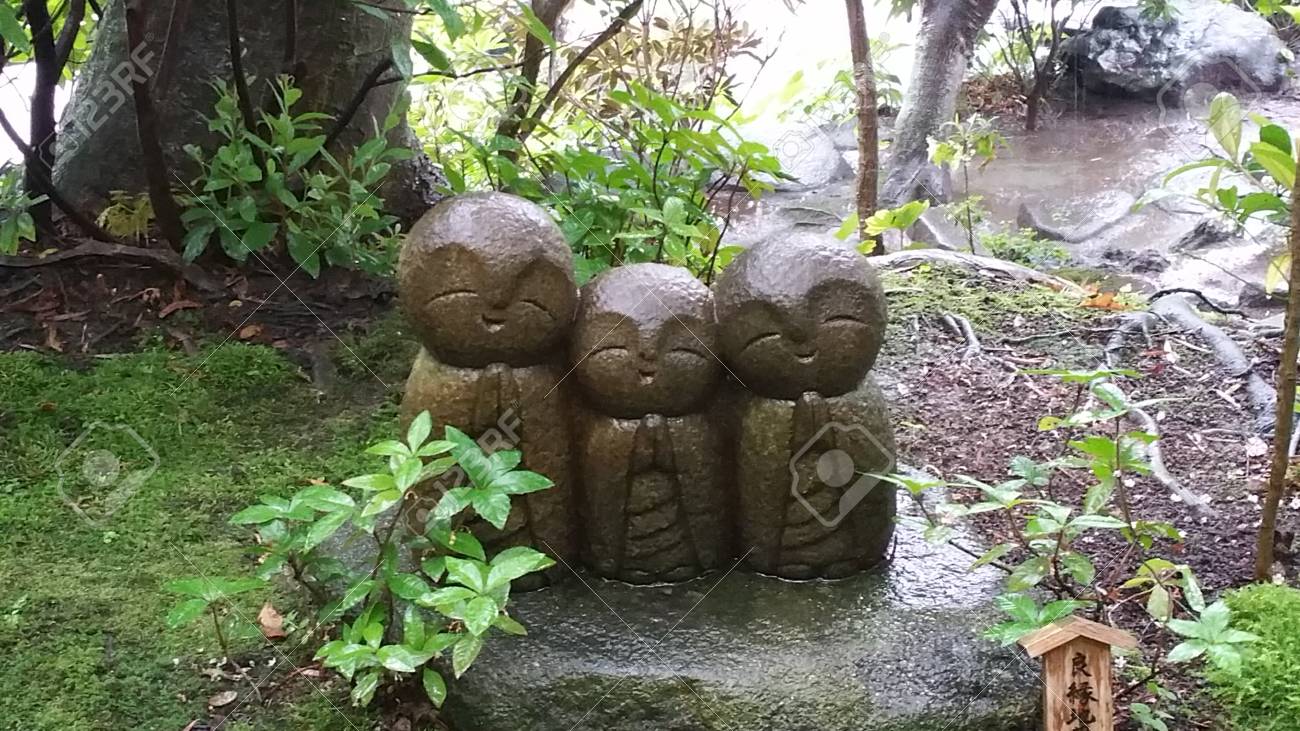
(1263, 695)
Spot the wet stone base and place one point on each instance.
(898, 649)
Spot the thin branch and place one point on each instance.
(46, 186)
(527, 125)
(165, 209)
(241, 81)
(345, 118)
(68, 35)
(171, 44)
(452, 74)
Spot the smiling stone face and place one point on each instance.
(799, 314)
(644, 342)
(487, 278)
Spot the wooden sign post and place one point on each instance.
(1077, 692)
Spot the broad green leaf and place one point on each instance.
(413, 634)
(515, 562)
(521, 482)
(494, 507)
(186, 612)
(325, 498)
(381, 502)
(1189, 650)
(447, 595)
(11, 28)
(373, 483)
(1225, 123)
(1277, 163)
(255, 514)
(467, 572)
(402, 659)
(479, 614)
(507, 624)
(434, 687)
(364, 691)
(451, 22)
(408, 586)
(419, 430)
(324, 527)
(464, 653)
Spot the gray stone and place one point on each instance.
(810, 156)
(898, 649)
(1205, 42)
(934, 228)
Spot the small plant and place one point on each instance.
(960, 144)
(127, 216)
(1049, 537)
(1261, 694)
(1024, 247)
(205, 596)
(278, 185)
(405, 619)
(888, 219)
(16, 224)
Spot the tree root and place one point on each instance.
(162, 257)
(1158, 469)
(1261, 396)
(962, 328)
(909, 258)
(1133, 322)
(1199, 294)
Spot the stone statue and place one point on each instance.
(651, 453)
(802, 319)
(487, 284)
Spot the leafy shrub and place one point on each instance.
(1262, 694)
(278, 184)
(1024, 247)
(402, 620)
(127, 215)
(16, 223)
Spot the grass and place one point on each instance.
(81, 608)
(1264, 695)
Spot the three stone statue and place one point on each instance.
(683, 428)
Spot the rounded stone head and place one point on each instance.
(799, 314)
(488, 278)
(644, 342)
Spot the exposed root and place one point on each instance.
(1262, 397)
(1200, 295)
(1133, 322)
(1158, 469)
(986, 265)
(162, 257)
(962, 328)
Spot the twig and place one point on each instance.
(46, 186)
(345, 118)
(1158, 469)
(1200, 295)
(242, 93)
(165, 210)
(162, 257)
(962, 328)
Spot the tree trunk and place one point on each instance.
(864, 81)
(944, 47)
(337, 46)
(1285, 420)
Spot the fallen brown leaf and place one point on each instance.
(248, 332)
(272, 623)
(178, 305)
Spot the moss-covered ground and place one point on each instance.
(156, 449)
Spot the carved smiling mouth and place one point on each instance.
(805, 357)
(647, 375)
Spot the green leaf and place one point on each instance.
(1028, 574)
(402, 659)
(212, 589)
(11, 29)
(374, 483)
(323, 528)
(447, 596)
(408, 586)
(1186, 651)
(381, 502)
(507, 624)
(467, 572)
(434, 567)
(1096, 521)
(451, 21)
(402, 57)
(419, 430)
(350, 598)
(465, 652)
(479, 614)
(364, 691)
(1277, 163)
(186, 612)
(390, 448)
(1158, 604)
(494, 507)
(464, 543)
(521, 482)
(255, 514)
(1225, 123)
(434, 687)
(538, 31)
(991, 555)
(515, 562)
(413, 634)
(1079, 567)
(407, 473)
(325, 499)
(1216, 617)
(431, 54)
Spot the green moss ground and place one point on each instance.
(81, 609)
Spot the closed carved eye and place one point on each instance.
(842, 320)
(761, 338)
(689, 351)
(537, 305)
(453, 293)
(609, 349)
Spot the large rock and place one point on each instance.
(1204, 42)
(899, 649)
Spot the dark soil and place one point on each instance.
(971, 418)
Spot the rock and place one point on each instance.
(1205, 233)
(1135, 262)
(810, 157)
(934, 228)
(1205, 42)
(892, 650)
